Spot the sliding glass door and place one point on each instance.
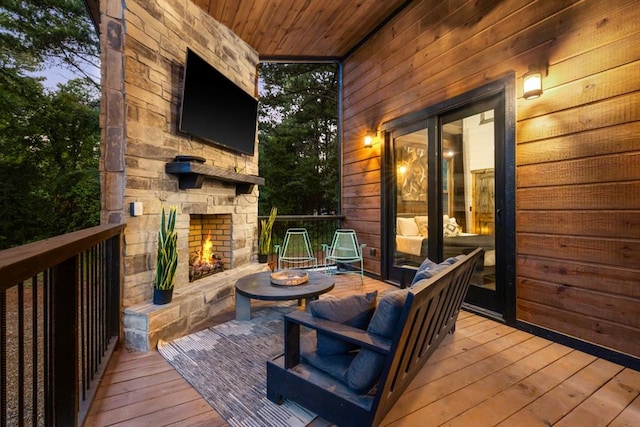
(444, 196)
(470, 146)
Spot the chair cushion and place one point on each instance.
(364, 371)
(366, 367)
(335, 365)
(354, 310)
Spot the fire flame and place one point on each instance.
(207, 250)
(205, 262)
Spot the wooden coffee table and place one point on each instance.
(258, 286)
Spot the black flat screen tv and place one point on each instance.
(215, 109)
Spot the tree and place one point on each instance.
(298, 138)
(49, 164)
(49, 139)
(50, 32)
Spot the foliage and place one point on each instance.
(49, 152)
(167, 255)
(49, 139)
(266, 225)
(298, 138)
(49, 32)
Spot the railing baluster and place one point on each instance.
(34, 355)
(20, 354)
(47, 382)
(81, 326)
(3, 358)
(94, 313)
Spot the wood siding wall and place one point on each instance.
(578, 146)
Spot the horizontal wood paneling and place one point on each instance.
(620, 252)
(613, 168)
(615, 308)
(587, 197)
(591, 329)
(620, 224)
(621, 138)
(610, 112)
(578, 145)
(586, 275)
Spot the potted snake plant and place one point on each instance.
(167, 258)
(264, 242)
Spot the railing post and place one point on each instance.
(65, 342)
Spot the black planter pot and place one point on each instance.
(162, 296)
(263, 258)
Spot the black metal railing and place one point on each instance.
(59, 323)
(320, 228)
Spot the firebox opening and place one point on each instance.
(209, 245)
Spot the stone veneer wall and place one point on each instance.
(144, 45)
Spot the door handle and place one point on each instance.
(499, 216)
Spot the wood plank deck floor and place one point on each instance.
(485, 374)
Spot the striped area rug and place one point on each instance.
(226, 364)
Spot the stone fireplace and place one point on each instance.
(146, 160)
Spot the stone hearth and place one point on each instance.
(144, 324)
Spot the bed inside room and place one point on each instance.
(412, 244)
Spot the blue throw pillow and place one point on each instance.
(366, 367)
(452, 260)
(354, 310)
(426, 270)
(429, 268)
(387, 314)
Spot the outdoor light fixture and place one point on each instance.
(368, 141)
(532, 83)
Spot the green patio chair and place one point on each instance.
(296, 250)
(343, 252)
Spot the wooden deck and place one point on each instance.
(486, 374)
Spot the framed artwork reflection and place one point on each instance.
(414, 183)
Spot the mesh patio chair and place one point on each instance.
(296, 250)
(343, 252)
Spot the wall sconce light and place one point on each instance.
(368, 141)
(532, 83)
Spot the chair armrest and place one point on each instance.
(276, 248)
(346, 333)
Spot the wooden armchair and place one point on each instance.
(426, 313)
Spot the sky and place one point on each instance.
(55, 74)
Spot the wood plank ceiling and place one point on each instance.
(302, 29)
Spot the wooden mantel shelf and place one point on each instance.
(191, 174)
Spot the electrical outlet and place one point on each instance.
(135, 208)
(372, 251)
